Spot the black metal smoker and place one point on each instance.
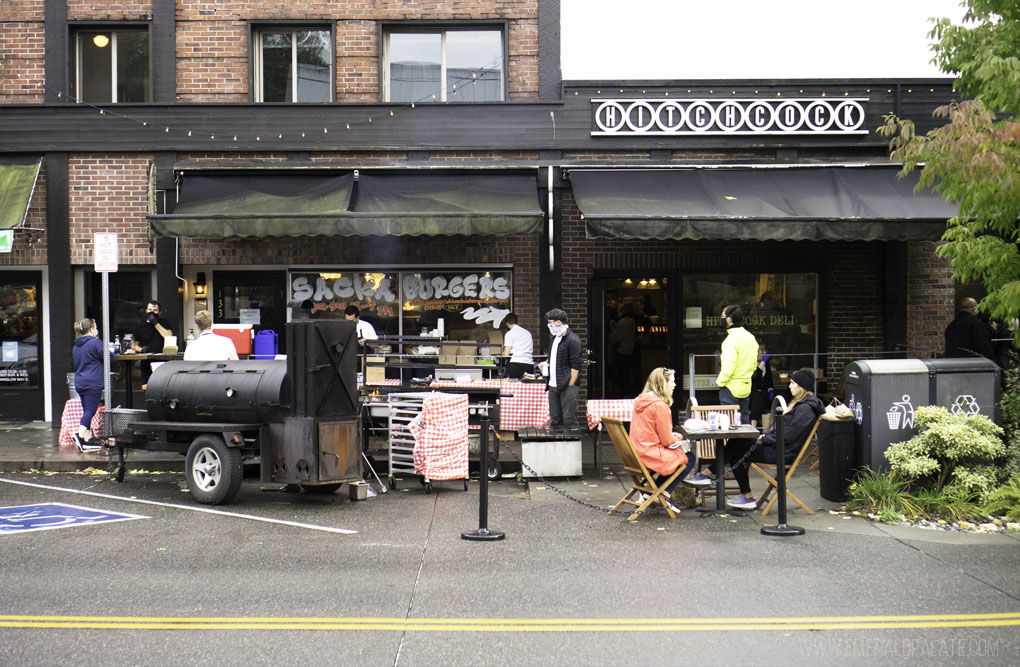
(299, 418)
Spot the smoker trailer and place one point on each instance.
(298, 418)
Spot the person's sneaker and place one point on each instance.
(85, 447)
(741, 503)
(698, 480)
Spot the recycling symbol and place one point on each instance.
(965, 405)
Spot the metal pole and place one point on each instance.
(483, 533)
(781, 530)
(107, 388)
(690, 375)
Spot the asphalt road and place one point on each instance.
(567, 586)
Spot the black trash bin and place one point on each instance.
(836, 462)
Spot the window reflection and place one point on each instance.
(445, 66)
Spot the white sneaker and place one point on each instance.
(742, 503)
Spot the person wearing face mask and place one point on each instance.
(564, 368)
(800, 416)
(149, 336)
(737, 362)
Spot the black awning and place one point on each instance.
(294, 204)
(447, 204)
(18, 176)
(256, 205)
(773, 203)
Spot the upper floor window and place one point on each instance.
(293, 65)
(443, 65)
(112, 65)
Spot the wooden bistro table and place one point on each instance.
(745, 431)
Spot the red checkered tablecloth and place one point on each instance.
(621, 408)
(441, 437)
(70, 419)
(521, 404)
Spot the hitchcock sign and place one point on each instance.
(630, 117)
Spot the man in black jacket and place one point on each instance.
(564, 367)
(967, 335)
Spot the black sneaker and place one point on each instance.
(85, 447)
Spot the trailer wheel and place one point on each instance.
(321, 488)
(495, 470)
(213, 470)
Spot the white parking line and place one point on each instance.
(206, 510)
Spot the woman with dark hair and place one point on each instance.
(87, 356)
(800, 415)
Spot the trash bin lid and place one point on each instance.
(964, 365)
(864, 367)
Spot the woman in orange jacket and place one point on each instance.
(651, 432)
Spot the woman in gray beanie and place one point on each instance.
(799, 417)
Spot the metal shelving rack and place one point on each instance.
(404, 407)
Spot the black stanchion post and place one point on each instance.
(483, 533)
(781, 529)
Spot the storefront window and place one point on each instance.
(19, 336)
(470, 303)
(780, 309)
(329, 293)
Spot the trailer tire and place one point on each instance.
(321, 488)
(213, 470)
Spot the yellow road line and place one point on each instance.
(514, 625)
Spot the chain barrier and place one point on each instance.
(604, 510)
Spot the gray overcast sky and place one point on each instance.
(749, 39)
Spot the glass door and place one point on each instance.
(251, 297)
(630, 332)
(21, 383)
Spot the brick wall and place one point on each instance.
(84, 10)
(108, 193)
(930, 296)
(22, 52)
(213, 59)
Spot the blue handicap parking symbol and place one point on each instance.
(47, 516)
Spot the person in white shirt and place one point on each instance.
(365, 330)
(209, 346)
(519, 346)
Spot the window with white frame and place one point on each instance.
(293, 65)
(111, 65)
(443, 65)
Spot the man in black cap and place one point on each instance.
(967, 335)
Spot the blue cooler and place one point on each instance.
(265, 344)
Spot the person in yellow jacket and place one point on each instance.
(739, 359)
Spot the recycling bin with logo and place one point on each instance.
(882, 394)
(965, 386)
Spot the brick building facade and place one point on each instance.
(114, 166)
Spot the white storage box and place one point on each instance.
(552, 458)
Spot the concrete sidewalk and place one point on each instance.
(33, 447)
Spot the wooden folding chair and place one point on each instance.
(706, 448)
(645, 481)
(792, 468)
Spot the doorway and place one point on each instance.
(630, 332)
(21, 382)
(252, 297)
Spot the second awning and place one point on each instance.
(795, 203)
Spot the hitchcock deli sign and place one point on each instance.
(646, 117)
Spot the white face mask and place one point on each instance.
(557, 329)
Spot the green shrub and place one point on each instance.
(946, 504)
(875, 492)
(1010, 410)
(1006, 500)
(951, 452)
